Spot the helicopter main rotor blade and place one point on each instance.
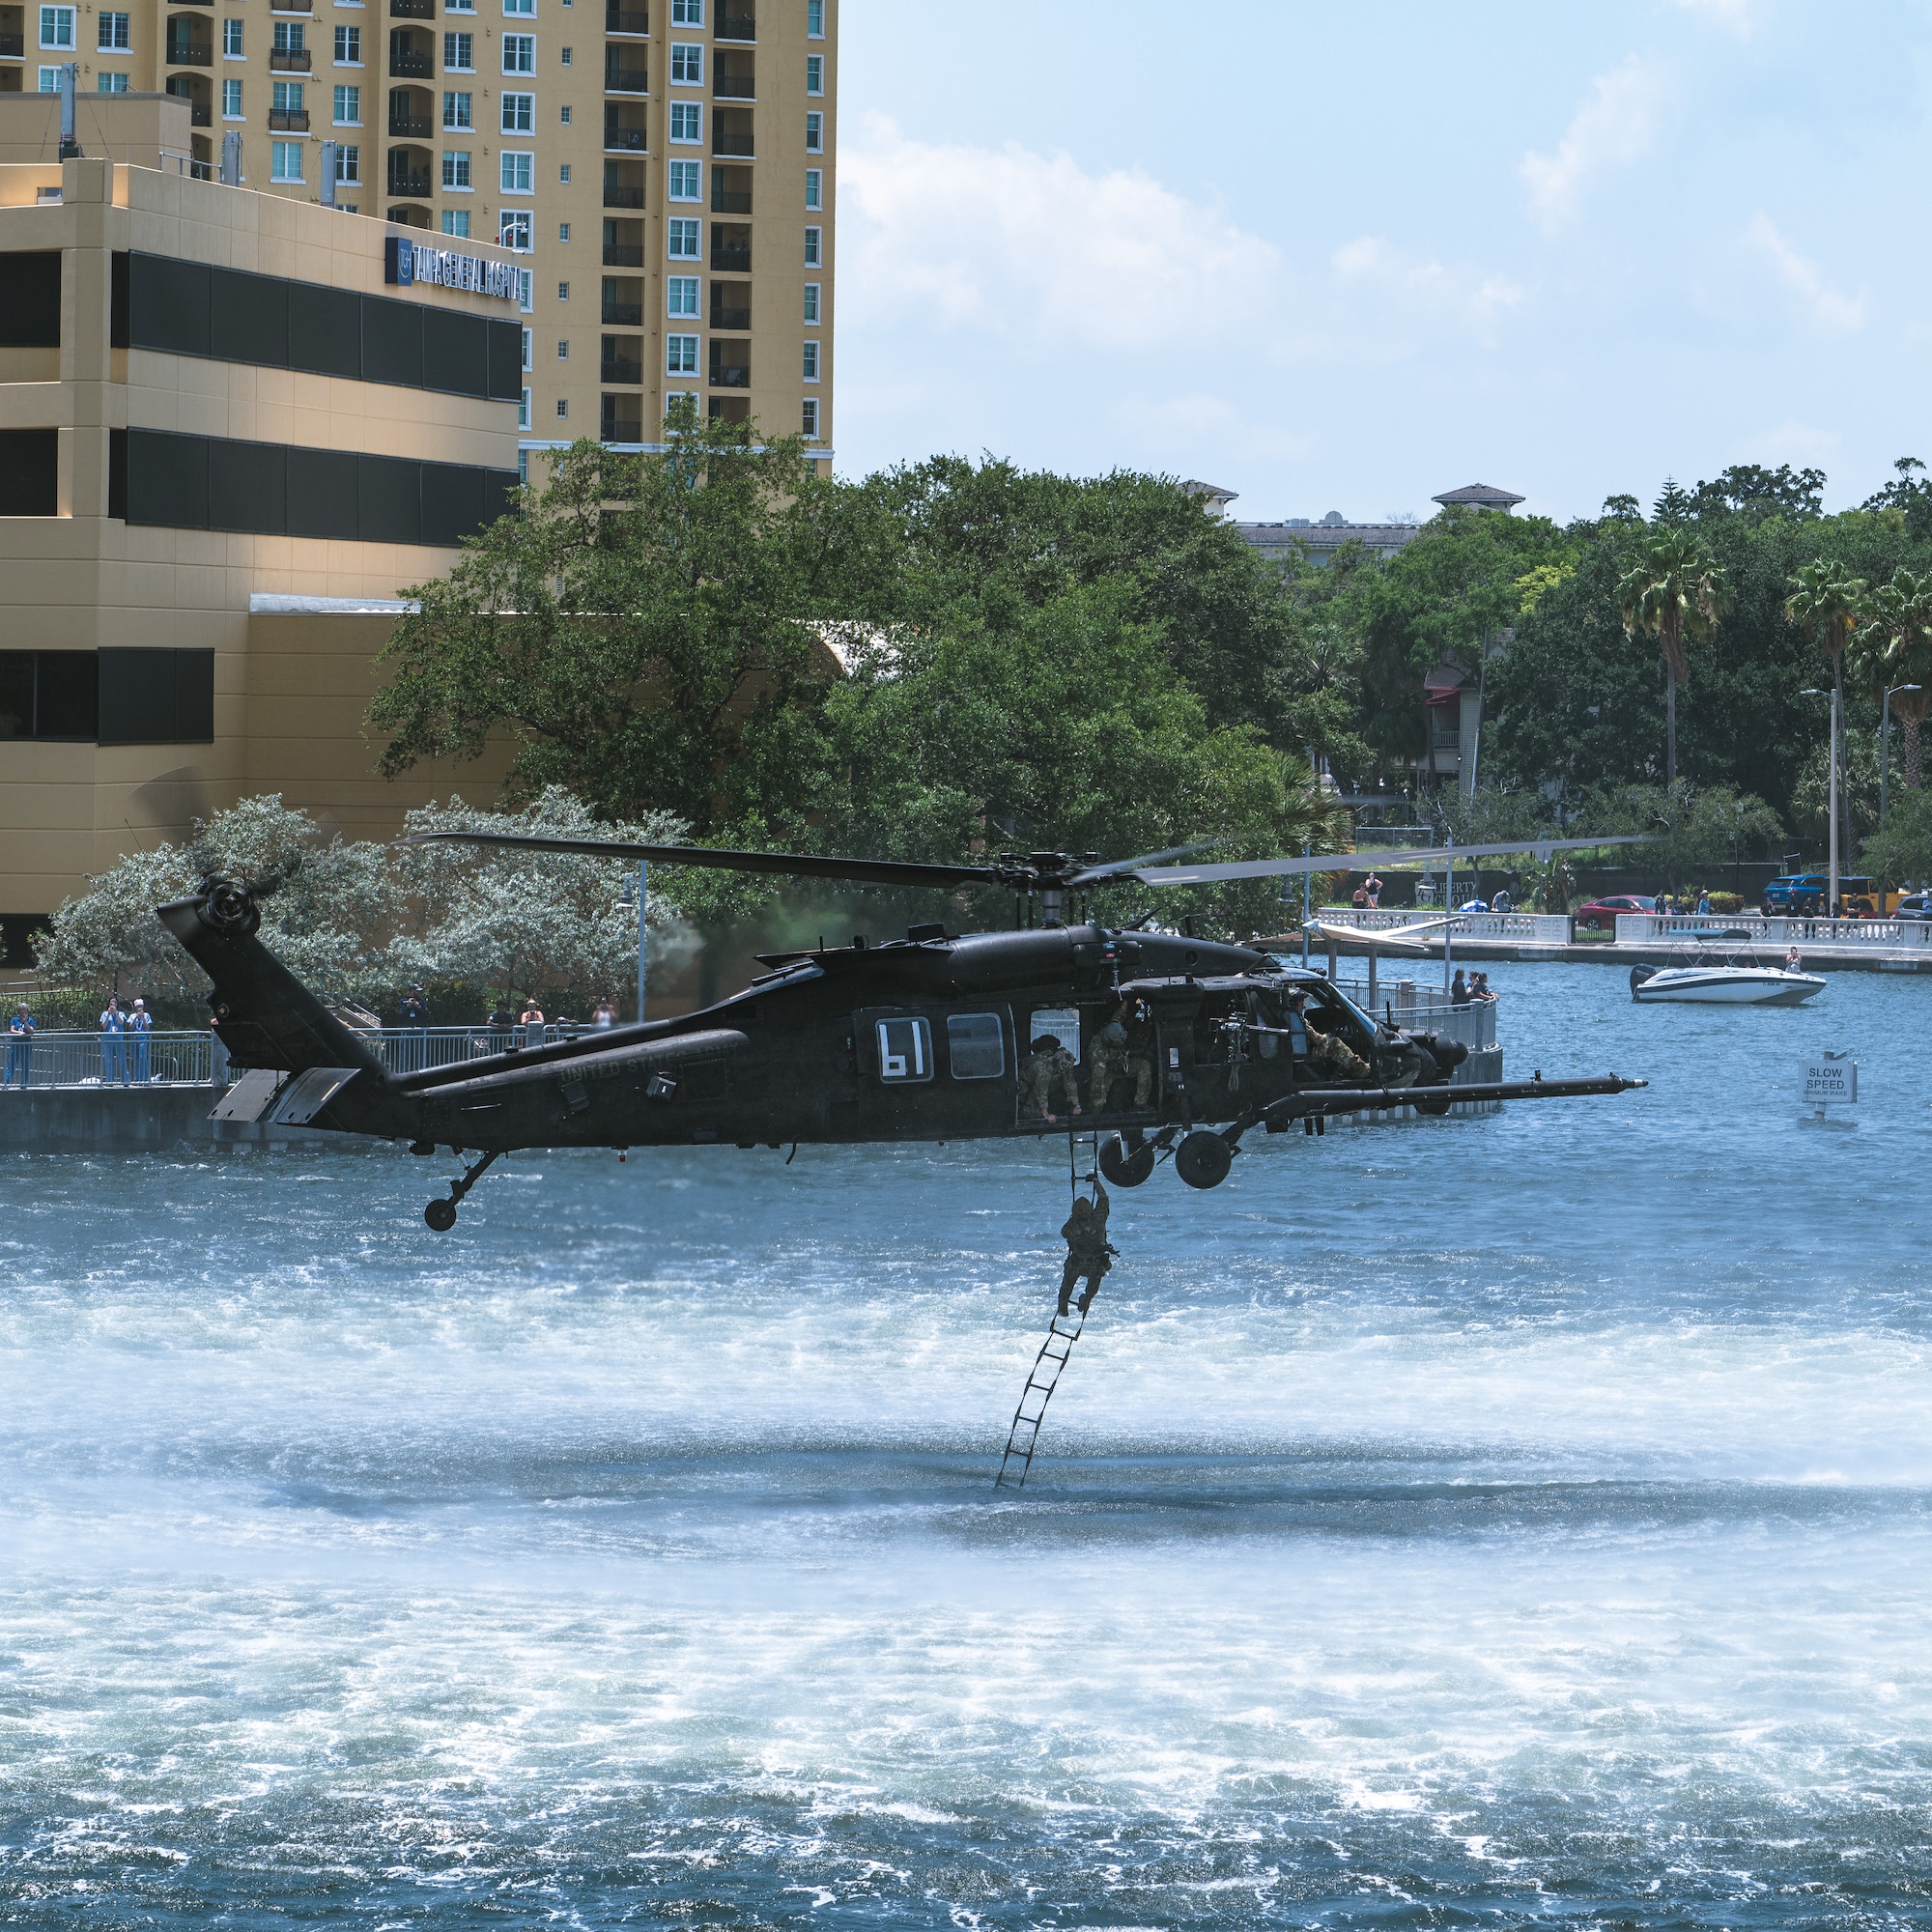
(1336, 862)
(797, 864)
(1118, 868)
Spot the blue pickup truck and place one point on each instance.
(1802, 894)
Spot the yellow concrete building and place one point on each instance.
(665, 168)
(229, 435)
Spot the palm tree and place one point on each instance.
(1901, 613)
(1828, 606)
(1676, 593)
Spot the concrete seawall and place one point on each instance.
(125, 1119)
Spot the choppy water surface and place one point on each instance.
(1507, 1522)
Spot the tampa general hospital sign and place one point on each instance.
(407, 263)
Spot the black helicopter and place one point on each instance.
(919, 1039)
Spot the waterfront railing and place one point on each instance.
(1542, 928)
(1426, 1008)
(109, 1060)
(1692, 929)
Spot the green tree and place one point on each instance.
(1695, 831)
(1901, 632)
(1828, 603)
(1902, 852)
(1675, 591)
(652, 632)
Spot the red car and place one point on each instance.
(1601, 915)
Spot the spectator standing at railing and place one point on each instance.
(1480, 987)
(416, 1009)
(113, 1044)
(533, 1021)
(1373, 886)
(1703, 902)
(20, 1045)
(604, 1015)
(1459, 989)
(1502, 902)
(140, 1024)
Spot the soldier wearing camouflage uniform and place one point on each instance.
(1049, 1066)
(1088, 1255)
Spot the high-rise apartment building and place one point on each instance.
(665, 168)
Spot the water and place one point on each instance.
(1518, 1522)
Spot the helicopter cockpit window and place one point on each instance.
(975, 1046)
(906, 1050)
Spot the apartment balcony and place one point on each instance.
(408, 217)
(625, 20)
(12, 46)
(412, 10)
(623, 302)
(622, 362)
(624, 130)
(738, 25)
(734, 87)
(200, 115)
(628, 427)
(730, 190)
(409, 126)
(186, 53)
(730, 248)
(624, 315)
(731, 305)
(281, 120)
(291, 60)
(624, 71)
(623, 197)
(731, 132)
(623, 255)
(408, 179)
(292, 7)
(406, 63)
(730, 365)
(730, 409)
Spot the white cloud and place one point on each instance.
(1613, 128)
(1015, 244)
(1425, 283)
(1827, 308)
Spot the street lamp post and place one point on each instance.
(1885, 744)
(1831, 900)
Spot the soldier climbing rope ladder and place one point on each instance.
(1088, 1256)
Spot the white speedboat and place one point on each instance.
(1723, 984)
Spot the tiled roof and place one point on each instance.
(1485, 496)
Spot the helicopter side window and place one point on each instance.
(906, 1050)
(975, 1046)
(1061, 1022)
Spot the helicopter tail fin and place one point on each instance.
(266, 1018)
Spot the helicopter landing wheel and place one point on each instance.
(440, 1215)
(1124, 1165)
(1203, 1159)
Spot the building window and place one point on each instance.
(231, 40)
(815, 138)
(527, 282)
(291, 37)
(811, 362)
(528, 336)
(515, 173)
(682, 180)
(456, 112)
(520, 113)
(687, 66)
(680, 295)
(456, 170)
(564, 230)
(814, 74)
(285, 160)
(111, 83)
(524, 8)
(566, 56)
(814, 19)
(113, 34)
(348, 106)
(450, 6)
(57, 26)
(562, 407)
(686, 13)
(456, 221)
(349, 46)
(814, 186)
(687, 121)
(683, 239)
(812, 260)
(563, 352)
(524, 411)
(810, 425)
(811, 302)
(231, 101)
(519, 53)
(288, 96)
(349, 166)
(566, 117)
(456, 52)
(563, 291)
(513, 231)
(563, 173)
(680, 355)
(50, 80)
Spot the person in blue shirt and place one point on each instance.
(140, 1023)
(21, 1046)
(113, 1044)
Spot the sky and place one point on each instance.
(1345, 258)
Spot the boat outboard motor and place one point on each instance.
(1639, 974)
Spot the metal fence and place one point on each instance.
(415, 1049)
(1645, 929)
(1427, 1009)
(1547, 928)
(110, 1059)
